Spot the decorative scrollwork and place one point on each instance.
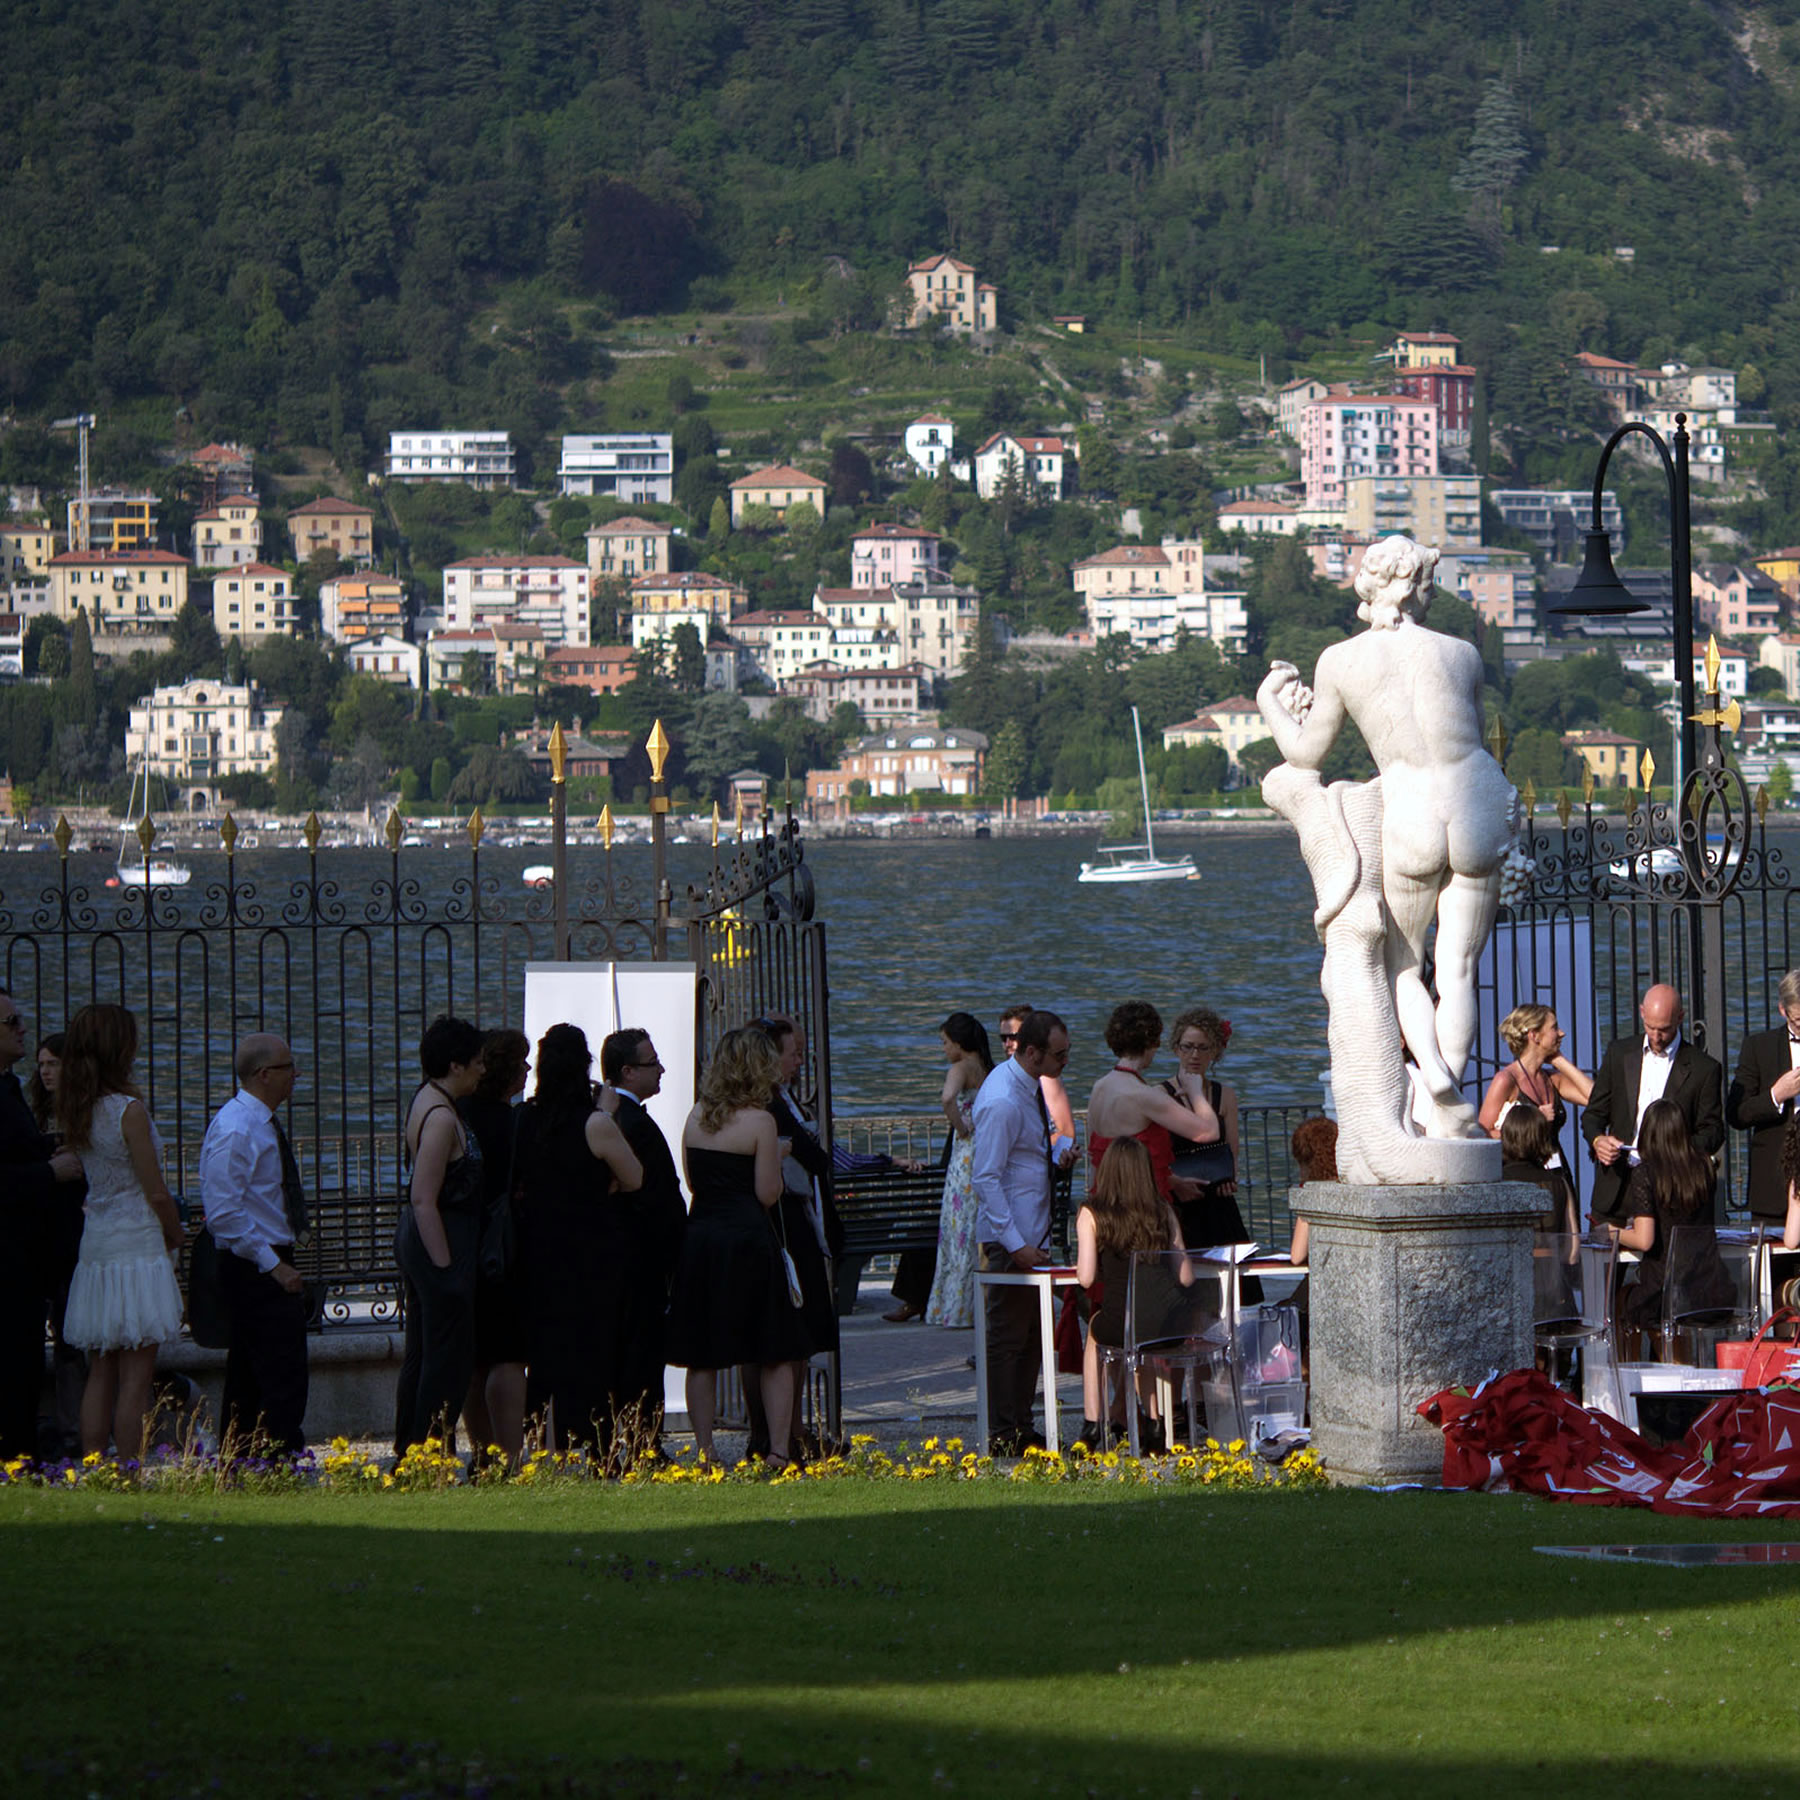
(395, 900)
(754, 870)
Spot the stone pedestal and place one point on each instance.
(1413, 1289)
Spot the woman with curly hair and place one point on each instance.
(123, 1298)
(731, 1301)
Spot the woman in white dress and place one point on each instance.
(966, 1050)
(123, 1300)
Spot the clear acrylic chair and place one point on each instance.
(1177, 1323)
(1571, 1289)
(1709, 1292)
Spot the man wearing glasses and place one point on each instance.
(255, 1210)
(630, 1066)
(34, 1170)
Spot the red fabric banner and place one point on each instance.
(1519, 1433)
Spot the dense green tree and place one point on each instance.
(717, 742)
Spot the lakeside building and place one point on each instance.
(1782, 654)
(1770, 734)
(229, 534)
(882, 696)
(354, 607)
(934, 621)
(1443, 510)
(225, 471)
(340, 526)
(600, 668)
(620, 465)
(930, 441)
(1555, 518)
(255, 602)
(942, 287)
(884, 556)
(112, 519)
(660, 604)
(389, 659)
(548, 594)
(623, 549)
(26, 547)
(124, 591)
(1615, 761)
(462, 661)
(784, 643)
(1260, 518)
(1231, 724)
(1781, 566)
(477, 459)
(1292, 401)
(1425, 350)
(1734, 672)
(947, 760)
(1343, 435)
(1501, 585)
(12, 647)
(195, 732)
(583, 757)
(1153, 593)
(1736, 601)
(1037, 463)
(777, 487)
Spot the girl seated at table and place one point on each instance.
(1671, 1189)
(1122, 1214)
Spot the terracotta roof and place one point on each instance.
(1428, 337)
(780, 618)
(604, 653)
(688, 581)
(93, 558)
(1032, 446)
(491, 561)
(1259, 506)
(235, 501)
(1589, 360)
(932, 419)
(330, 505)
(936, 262)
(778, 475)
(1122, 556)
(632, 527)
(221, 453)
(256, 568)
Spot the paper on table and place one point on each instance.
(1227, 1253)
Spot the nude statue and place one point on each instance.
(1448, 815)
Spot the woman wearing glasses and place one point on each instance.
(1208, 1210)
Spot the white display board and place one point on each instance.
(604, 997)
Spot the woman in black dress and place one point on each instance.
(731, 1303)
(1671, 1189)
(439, 1239)
(495, 1407)
(572, 1169)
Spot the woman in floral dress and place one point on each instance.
(952, 1299)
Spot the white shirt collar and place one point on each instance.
(256, 1106)
(1665, 1055)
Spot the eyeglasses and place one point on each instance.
(1009, 1037)
(273, 1068)
(1191, 1048)
(654, 1063)
(14, 1019)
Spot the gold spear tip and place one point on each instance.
(657, 745)
(1713, 660)
(1762, 805)
(1587, 783)
(394, 829)
(476, 826)
(1528, 793)
(1497, 739)
(1565, 805)
(313, 831)
(1732, 717)
(228, 833)
(1648, 769)
(559, 752)
(146, 832)
(606, 824)
(715, 825)
(62, 835)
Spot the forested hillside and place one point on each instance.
(292, 217)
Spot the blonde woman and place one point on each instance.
(731, 1302)
(123, 1298)
(1539, 1074)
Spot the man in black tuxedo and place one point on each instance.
(1656, 1064)
(630, 1066)
(1763, 1092)
(31, 1169)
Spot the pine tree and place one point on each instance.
(1497, 150)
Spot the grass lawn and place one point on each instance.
(881, 1639)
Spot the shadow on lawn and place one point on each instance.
(879, 1640)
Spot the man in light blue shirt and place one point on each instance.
(1014, 1161)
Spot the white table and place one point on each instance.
(1046, 1280)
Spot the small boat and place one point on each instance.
(1139, 862)
(538, 875)
(135, 870)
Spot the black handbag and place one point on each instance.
(209, 1325)
(499, 1224)
(1208, 1163)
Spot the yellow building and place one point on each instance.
(779, 486)
(1615, 761)
(1232, 724)
(338, 525)
(1781, 566)
(255, 602)
(1426, 350)
(944, 287)
(26, 547)
(1444, 510)
(123, 591)
(624, 549)
(228, 534)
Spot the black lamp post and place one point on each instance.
(1599, 593)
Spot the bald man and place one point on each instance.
(250, 1187)
(1653, 1064)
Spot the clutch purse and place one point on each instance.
(1208, 1163)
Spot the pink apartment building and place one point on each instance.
(1364, 434)
(887, 555)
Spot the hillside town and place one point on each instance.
(876, 657)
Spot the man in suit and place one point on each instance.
(630, 1066)
(34, 1168)
(1763, 1092)
(1656, 1064)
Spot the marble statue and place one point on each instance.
(1424, 842)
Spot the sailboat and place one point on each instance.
(135, 869)
(1139, 862)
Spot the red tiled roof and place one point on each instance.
(632, 527)
(778, 475)
(257, 568)
(328, 504)
(491, 561)
(91, 558)
(1135, 556)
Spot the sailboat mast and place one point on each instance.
(1137, 730)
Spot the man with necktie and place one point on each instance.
(256, 1210)
(1014, 1159)
(1761, 1101)
(33, 1170)
(630, 1066)
(1656, 1064)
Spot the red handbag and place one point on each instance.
(1068, 1334)
(1763, 1364)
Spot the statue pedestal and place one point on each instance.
(1413, 1289)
